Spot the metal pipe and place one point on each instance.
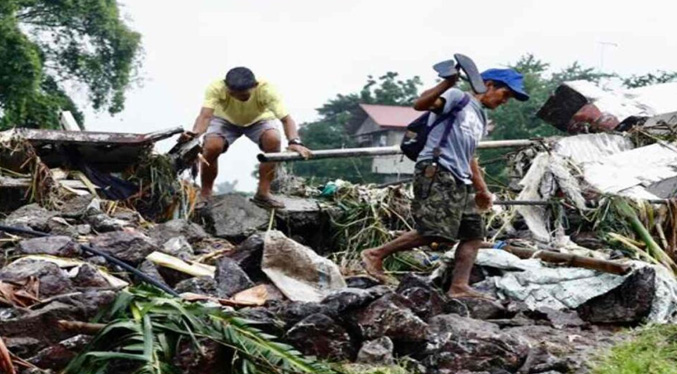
(87, 248)
(377, 151)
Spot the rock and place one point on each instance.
(348, 300)
(23, 346)
(128, 246)
(76, 207)
(265, 320)
(53, 280)
(59, 226)
(60, 246)
(293, 312)
(58, 356)
(233, 216)
(88, 276)
(560, 318)
(230, 278)
(391, 316)
(91, 302)
(458, 343)
(40, 323)
(628, 303)
(101, 222)
(426, 299)
(274, 294)
(483, 308)
(361, 282)
(379, 351)
(319, 335)
(192, 232)
(30, 216)
(178, 247)
(151, 270)
(198, 285)
(211, 358)
(248, 256)
(305, 221)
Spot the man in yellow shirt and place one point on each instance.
(242, 105)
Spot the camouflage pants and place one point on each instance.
(445, 207)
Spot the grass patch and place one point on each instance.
(651, 350)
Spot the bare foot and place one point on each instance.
(373, 264)
(467, 293)
(267, 202)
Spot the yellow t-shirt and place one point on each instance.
(264, 104)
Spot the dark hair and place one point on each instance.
(497, 84)
(240, 79)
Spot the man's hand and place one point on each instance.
(187, 136)
(303, 151)
(484, 200)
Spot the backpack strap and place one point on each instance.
(451, 118)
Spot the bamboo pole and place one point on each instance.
(378, 151)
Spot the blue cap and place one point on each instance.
(509, 77)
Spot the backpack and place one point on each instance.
(417, 131)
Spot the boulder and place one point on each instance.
(59, 355)
(361, 282)
(264, 319)
(31, 216)
(151, 270)
(458, 343)
(234, 217)
(178, 247)
(230, 278)
(391, 316)
(101, 222)
(129, 246)
(77, 206)
(211, 358)
(348, 300)
(483, 308)
(53, 280)
(41, 323)
(293, 312)
(191, 231)
(427, 300)
(248, 256)
(89, 276)
(378, 351)
(628, 303)
(23, 346)
(60, 246)
(319, 335)
(199, 285)
(305, 221)
(59, 226)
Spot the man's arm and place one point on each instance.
(200, 126)
(483, 197)
(430, 99)
(291, 132)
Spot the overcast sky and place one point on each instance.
(313, 49)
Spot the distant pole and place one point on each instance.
(601, 53)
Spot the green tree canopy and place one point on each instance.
(49, 46)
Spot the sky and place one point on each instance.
(312, 50)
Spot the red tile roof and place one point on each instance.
(391, 115)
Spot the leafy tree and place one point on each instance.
(49, 46)
(332, 131)
(649, 79)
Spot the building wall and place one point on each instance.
(370, 134)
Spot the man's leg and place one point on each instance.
(269, 142)
(214, 145)
(373, 258)
(463, 263)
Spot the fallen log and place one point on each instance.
(567, 259)
(378, 151)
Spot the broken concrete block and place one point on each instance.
(53, 280)
(128, 246)
(233, 216)
(299, 272)
(230, 278)
(60, 246)
(319, 335)
(378, 351)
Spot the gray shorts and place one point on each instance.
(230, 133)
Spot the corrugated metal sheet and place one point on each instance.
(391, 115)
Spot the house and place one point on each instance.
(383, 126)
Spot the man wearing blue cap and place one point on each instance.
(447, 176)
